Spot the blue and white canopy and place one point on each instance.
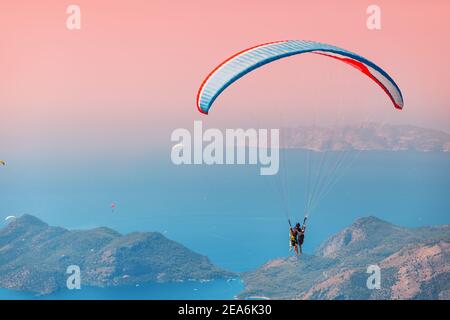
(247, 60)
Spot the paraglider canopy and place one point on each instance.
(250, 59)
(2, 162)
(178, 145)
(10, 218)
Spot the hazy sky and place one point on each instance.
(131, 74)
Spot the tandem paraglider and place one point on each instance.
(320, 182)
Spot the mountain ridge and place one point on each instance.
(34, 257)
(414, 264)
(367, 136)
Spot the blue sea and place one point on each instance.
(228, 213)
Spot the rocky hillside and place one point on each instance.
(34, 257)
(414, 264)
(366, 137)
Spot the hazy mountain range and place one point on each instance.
(366, 137)
(414, 264)
(34, 257)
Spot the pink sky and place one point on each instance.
(131, 74)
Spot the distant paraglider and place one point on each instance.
(10, 218)
(177, 149)
(3, 162)
(113, 206)
(178, 145)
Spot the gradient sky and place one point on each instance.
(131, 74)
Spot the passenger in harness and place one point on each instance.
(297, 236)
(293, 237)
(293, 241)
(301, 235)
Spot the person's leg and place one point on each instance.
(296, 249)
(301, 248)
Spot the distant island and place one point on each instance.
(34, 257)
(414, 264)
(369, 136)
